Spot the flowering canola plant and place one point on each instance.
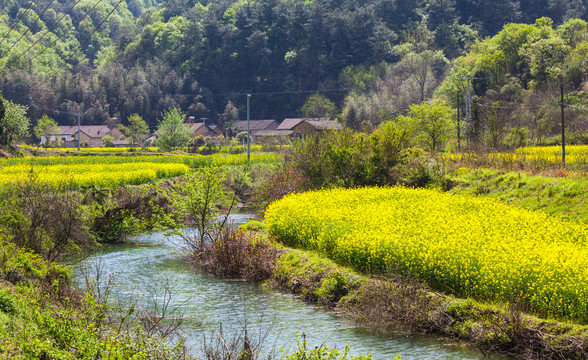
(114, 170)
(547, 155)
(98, 174)
(466, 245)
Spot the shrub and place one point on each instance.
(50, 222)
(233, 255)
(129, 212)
(7, 303)
(324, 353)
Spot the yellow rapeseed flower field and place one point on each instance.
(576, 155)
(115, 170)
(465, 245)
(98, 174)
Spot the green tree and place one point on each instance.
(577, 63)
(423, 68)
(14, 124)
(430, 122)
(573, 31)
(546, 59)
(197, 202)
(319, 106)
(45, 126)
(108, 141)
(228, 117)
(172, 132)
(136, 131)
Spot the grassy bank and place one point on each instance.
(565, 197)
(392, 303)
(43, 317)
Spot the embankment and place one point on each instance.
(390, 302)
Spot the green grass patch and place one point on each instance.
(43, 317)
(563, 197)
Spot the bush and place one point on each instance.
(7, 303)
(233, 255)
(348, 159)
(129, 212)
(48, 221)
(324, 353)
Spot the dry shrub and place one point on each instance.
(382, 303)
(280, 183)
(238, 255)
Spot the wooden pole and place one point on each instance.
(458, 125)
(248, 134)
(563, 127)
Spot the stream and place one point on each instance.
(151, 272)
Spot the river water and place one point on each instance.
(141, 271)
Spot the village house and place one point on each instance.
(216, 131)
(309, 127)
(200, 129)
(255, 127)
(297, 128)
(89, 135)
(197, 129)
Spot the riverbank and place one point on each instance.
(43, 317)
(393, 304)
(381, 304)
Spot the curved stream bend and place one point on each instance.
(151, 271)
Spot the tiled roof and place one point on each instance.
(325, 124)
(93, 131)
(195, 126)
(288, 124)
(291, 123)
(255, 125)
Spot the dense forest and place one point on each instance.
(361, 61)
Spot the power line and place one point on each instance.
(67, 31)
(29, 27)
(80, 46)
(576, 106)
(49, 30)
(510, 107)
(245, 93)
(500, 76)
(17, 21)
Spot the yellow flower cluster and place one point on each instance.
(465, 245)
(114, 170)
(109, 150)
(89, 149)
(98, 174)
(575, 154)
(548, 155)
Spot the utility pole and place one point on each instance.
(458, 125)
(79, 132)
(563, 126)
(248, 134)
(469, 98)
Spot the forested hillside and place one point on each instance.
(371, 58)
